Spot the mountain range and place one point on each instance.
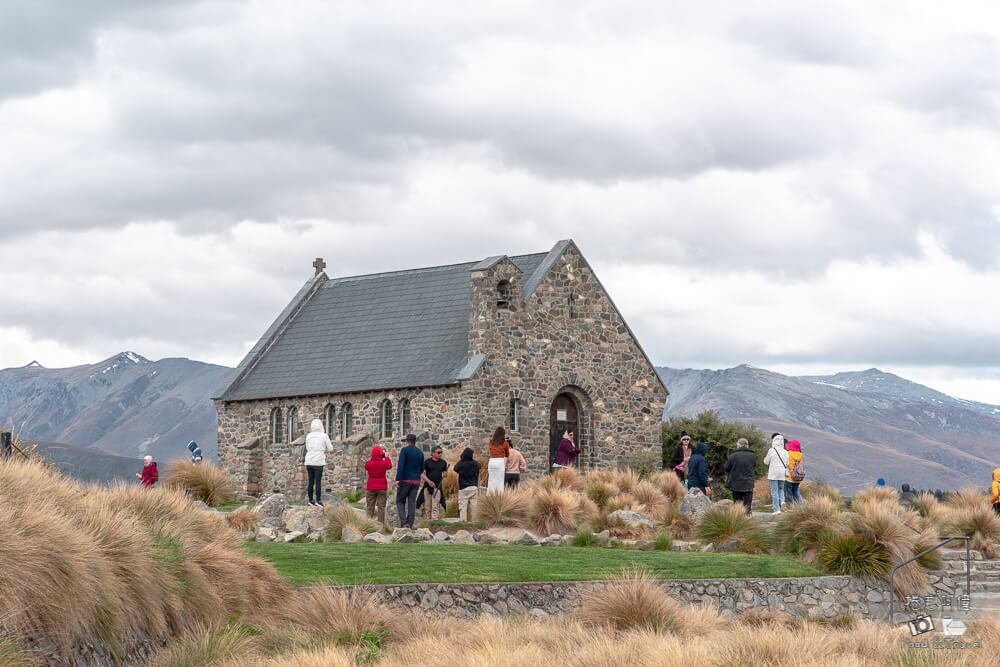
(97, 420)
(126, 405)
(855, 426)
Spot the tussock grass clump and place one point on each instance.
(816, 488)
(653, 501)
(598, 490)
(679, 526)
(617, 527)
(508, 507)
(877, 524)
(808, 526)
(206, 482)
(85, 563)
(206, 646)
(925, 541)
(586, 512)
(762, 490)
(730, 522)
(584, 537)
(243, 519)
(634, 601)
(849, 554)
(668, 484)
(874, 496)
(624, 480)
(663, 542)
(966, 499)
(623, 501)
(562, 478)
(552, 511)
(345, 515)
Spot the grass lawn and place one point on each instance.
(338, 563)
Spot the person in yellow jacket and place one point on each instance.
(792, 494)
(995, 491)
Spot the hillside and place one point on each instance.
(855, 426)
(89, 465)
(125, 405)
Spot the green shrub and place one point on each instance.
(583, 538)
(663, 542)
(724, 522)
(352, 495)
(852, 555)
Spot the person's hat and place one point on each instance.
(411, 438)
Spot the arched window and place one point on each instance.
(385, 419)
(294, 425)
(404, 418)
(346, 420)
(330, 417)
(277, 426)
(503, 296)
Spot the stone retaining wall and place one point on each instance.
(817, 597)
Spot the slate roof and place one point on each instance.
(373, 332)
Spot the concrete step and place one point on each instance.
(959, 554)
(975, 575)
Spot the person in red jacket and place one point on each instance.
(376, 489)
(148, 476)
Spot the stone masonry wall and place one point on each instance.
(816, 597)
(567, 337)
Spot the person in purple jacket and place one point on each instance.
(567, 452)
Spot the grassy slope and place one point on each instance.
(338, 563)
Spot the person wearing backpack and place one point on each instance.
(995, 491)
(777, 469)
(796, 473)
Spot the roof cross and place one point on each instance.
(319, 264)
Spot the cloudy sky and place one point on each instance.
(803, 186)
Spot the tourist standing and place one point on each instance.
(317, 445)
(906, 494)
(515, 466)
(148, 476)
(740, 467)
(467, 470)
(567, 452)
(410, 469)
(377, 487)
(794, 478)
(697, 469)
(995, 491)
(434, 469)
(499, 451)
(776, 461)
(682, 454)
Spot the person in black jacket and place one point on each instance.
(740, 468)
(698, 469)
(468, 485)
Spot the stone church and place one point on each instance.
(532, 343)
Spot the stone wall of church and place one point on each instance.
(566, 337)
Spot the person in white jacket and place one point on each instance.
(317, 445)
(777, 468)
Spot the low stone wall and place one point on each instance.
(817, 597)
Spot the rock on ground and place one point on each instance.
(695, 504)
(632, 519)
(304, 518)
(351, 535)
(463, 537)
(377, 538)
(271, 508)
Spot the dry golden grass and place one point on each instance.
(654, 503)
(508, 507)
(810, 524)
(562, 478)
(879, 524)
(586, 512)
(207, 482)
(623, 501)
(90, 562)
(677, 525)
(553, 510)
(243, 519)
(668, 484)
(624, 480)
(816, 488)
(762, 490)
(875, 495)
(598, 490)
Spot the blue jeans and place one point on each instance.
(777, 493)
(792, 492)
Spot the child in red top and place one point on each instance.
(376, 489)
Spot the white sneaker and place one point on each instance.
(778, 512)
